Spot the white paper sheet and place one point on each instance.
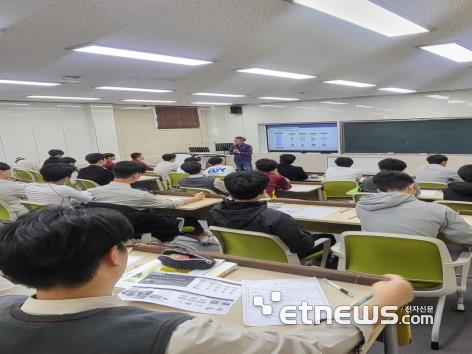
(293, 291)
(302, 188)
(305, 212)
(428, 193)
(133, 259)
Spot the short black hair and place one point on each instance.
(135, 155)
(388, 181)
(391, 165)
(125, 169)
(193, 158)
(169, 157)
(94, 157)
(215, 160)
(287, 158)
(266, 165)
(241, 138)
(465, 172)
(108, 154)
(191, 167)
(344, 162)
(246, 184)
(4, 166)
(60, 246)
(56, 171)
(55, 152)
(68, 160)
(436, 159)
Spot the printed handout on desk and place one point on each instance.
(428, 193)
(191, 293)
(292, 292)
(304, 212)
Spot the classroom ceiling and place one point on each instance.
(235, 34)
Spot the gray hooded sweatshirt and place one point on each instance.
(404, 214)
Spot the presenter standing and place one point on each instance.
(242, 154)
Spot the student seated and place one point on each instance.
(367, 183)
(55, 156)
(74, 310)
(24, 164)
(12, 192)
(247, 212)
(138, 159)
(167, 165)
(276, 181)
(217, 168)
(396, 210)
(461, 191)
(343, 171)
(54, 191)
(293, 173)
(188, 159)
(96, 171)
(109, 157)
(436, 171)
(196, 179)
(120, 192)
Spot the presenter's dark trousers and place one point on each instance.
(244, 165)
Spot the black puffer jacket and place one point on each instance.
(461, 191)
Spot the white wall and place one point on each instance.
(222, 126)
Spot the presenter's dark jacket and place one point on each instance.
(245, 152)
(293, 173)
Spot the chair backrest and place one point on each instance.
(197, 190)
(218, 177)
(23, 175)
(37, 176)
(32, 206)
(338, 189)
(456, 205)
(69, 183)
(432, 185)
(357, 196)
(175, 178)
(424, 261)
(5, 215)
(253, 244)
(86, 184)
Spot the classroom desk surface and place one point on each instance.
(304, 188)
(198, 210)
(235, 316)
(147, 178)
(429, 194)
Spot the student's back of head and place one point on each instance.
(192, 158)
(437, 159)
(135, 155)
(55, 153)
(126, 169)
(465, 172)
(392, 165)
(266, 165)
(344, 162)
(60, 246)
(56, 172)
(393, 181)
(246, 185)
(4, 166)
(287, 159)
(191, 167)
(215, 161)
(69, 160)
(95, 157)
(169, 157)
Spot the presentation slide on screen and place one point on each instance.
(321, 137)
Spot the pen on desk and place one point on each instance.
(363, 300)
(352, 217)
(344, 291)
(347, 209)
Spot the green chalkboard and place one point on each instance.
(446, 136)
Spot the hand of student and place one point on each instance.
(199, 196)
(393, 291)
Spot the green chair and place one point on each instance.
(37, 176)
(69, 183)
(456, 205)
(6, 216)
(357, 196)
(175, 178)
(424, 261)
(218, 177)
(432, 185)
(23, 175)
(33, 206)
(198, 190)
(338, 189)
(86, 184)
(263, 246)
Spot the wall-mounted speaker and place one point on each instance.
(236, 109)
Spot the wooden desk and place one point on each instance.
(250, 270)
(302, 191)
(431, 195)
(198, 210)
(148, 178)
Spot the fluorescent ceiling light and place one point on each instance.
(276, 73)
(272, 105)
(131, 54)
(146, 101)
(333, 102)
(396, 90)
(278, 98)
(365, 14)
(217, 94)
(363, 106)
(349, 83)
(14, 104)
(69, 106)
(452, 51)
(132, 89)
(438, 97)
(28, 83)
(212, 103)
(457, 101)
(65, 98)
